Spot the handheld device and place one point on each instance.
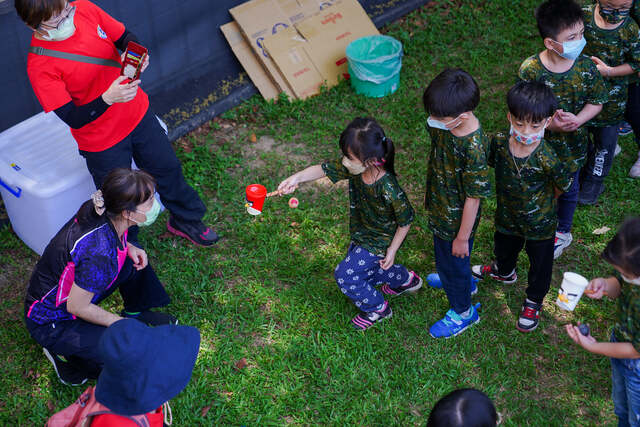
(133, 60)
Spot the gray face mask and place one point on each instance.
(66, 30)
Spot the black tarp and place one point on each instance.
(193, 74)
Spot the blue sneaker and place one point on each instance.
(453, 324)
(433, 280)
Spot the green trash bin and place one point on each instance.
(374, 65)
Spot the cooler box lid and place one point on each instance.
(40, 156)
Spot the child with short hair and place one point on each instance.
(457, 181)
(528, 175)
(579, 89)
(623, 253)
(380, 219)
(632, 113)
(463, 408)
(613, 42)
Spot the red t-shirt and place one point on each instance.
(57, 81)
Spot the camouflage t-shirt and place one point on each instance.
(376, 210)
(526, 202)
(457, 169)
(615, 47)
(580, 85)
(627, 326)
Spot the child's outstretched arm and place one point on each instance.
(617, 350)
(460, 246)
(398, 238)
(311, 173)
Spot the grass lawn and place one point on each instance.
(277, 347)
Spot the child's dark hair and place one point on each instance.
(451, 93)
(466, 407)
(531, 101)
(554, 16)
(365, 139)
(35, 12)
(623, 250)
(123, 189)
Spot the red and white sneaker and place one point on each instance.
(491, 270)
(529, 316)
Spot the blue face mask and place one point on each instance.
(440, 125)
(572, 49)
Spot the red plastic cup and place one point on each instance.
(256, 194)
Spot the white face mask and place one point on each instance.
(66, 30)
(353, 167)
(635, 281)
(440, 125)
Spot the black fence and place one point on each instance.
(194, 74)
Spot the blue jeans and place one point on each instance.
(625, 392)
(455, 274)
(567, 203)
(358, 274)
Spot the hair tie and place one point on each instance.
(98, 202)
(380, 162)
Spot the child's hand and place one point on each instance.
(388, 260)
(289, 185)
(460, 248)
(584, 342)
(604, 69)
(568, 121)
(596, 288)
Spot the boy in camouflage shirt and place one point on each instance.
(613, 42)
(632, 113)
(528, 175)
(579, 89)
(457, 180)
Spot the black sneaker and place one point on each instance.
(151, 318)
(67, 372)
(414, 284)
(589, 192)
(365, 320)
(491, 270)
(529, 316)
(196, 232)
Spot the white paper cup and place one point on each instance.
(571, 289)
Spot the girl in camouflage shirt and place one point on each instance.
(623, 253)
(380, 218)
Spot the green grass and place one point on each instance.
(266, 292)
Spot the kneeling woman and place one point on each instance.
(83, 264)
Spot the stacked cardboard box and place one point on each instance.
(295, 46)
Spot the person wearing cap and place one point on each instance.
(73, 65)
(143, 369)
(86, 261)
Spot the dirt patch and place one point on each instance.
(266, 145)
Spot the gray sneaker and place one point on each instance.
(634, 172)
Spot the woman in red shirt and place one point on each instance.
(109, 116)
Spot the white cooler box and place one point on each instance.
(43, 178)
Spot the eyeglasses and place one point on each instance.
(67, 11)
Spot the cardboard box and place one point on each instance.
(249, 61)
(259, 19)
(330, 31)
(287, 49)
(313, 52)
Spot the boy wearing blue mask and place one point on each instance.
(579, 89)
(613, 42)
(528, 177)
(457, 180)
